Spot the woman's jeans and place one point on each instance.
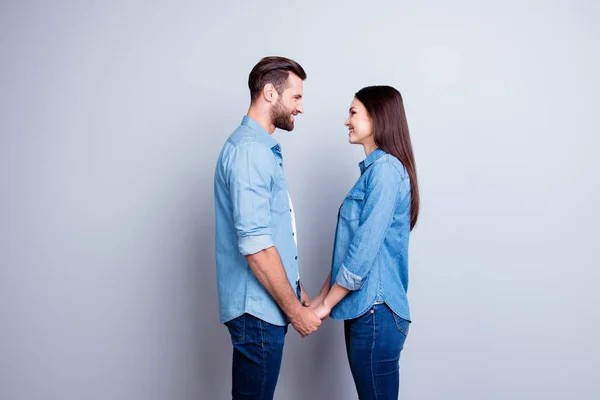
(373, 344)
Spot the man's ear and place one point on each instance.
(269, 93)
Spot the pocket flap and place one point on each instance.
(356, 195)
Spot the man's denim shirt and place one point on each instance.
(370, 255)
(252, 212)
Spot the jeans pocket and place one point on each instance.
(402, 324)
(237, 329)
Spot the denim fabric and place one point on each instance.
(252, 212)
(370, 255)
(373, 344)
(257, 353)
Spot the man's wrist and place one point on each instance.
(293, 310)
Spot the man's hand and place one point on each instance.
(306, 300)
(305, 321)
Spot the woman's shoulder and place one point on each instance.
(387, 164)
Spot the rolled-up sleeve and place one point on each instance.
(384, 185)
(250, 171)
(347, 279)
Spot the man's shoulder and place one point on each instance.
(242, 135)
(243, 144)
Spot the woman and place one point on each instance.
(370, 256)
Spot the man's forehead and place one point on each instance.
(294, 86)
(295, 81)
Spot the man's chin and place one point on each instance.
(288, 128)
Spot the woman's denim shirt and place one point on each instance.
(370, 255)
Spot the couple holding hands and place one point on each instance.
(256, 250)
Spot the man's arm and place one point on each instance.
(249, 180)
(268, 269)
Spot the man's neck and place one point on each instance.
(262, 117)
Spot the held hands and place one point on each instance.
(318, 306)
(322, 311)
(305, 321)
(328, 298)
(306, 300)
(308, 317)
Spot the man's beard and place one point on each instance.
(282, 117)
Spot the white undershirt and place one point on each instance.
(293, 220)
(294, 227)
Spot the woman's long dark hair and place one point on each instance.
(390, 131)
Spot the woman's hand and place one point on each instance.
(322, 311)
(317, 301)
(318, 305)
(332, 298)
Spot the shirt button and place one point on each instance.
(280, 164)
(296, 257)
(292, 233)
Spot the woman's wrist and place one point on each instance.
(327, 303)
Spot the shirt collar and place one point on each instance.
(375, 154)
(261, 135)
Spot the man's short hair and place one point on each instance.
(274, 70)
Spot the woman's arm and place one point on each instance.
(322, 294)
(335, 295)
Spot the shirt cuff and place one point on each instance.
(348, 280)
(253, 244)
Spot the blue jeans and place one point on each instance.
(373, 344)
(257, 353)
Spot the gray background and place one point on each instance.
(111, 118)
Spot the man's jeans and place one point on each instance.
(257, 353)
(373, 344)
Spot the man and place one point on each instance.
(256, 254)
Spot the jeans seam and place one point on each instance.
(264, 364)
(371, 355)
(400, 329)
(240, 326)
(243, 328)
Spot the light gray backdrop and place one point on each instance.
(112, 115)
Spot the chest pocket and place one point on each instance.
(280, 203)
(352, 205)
